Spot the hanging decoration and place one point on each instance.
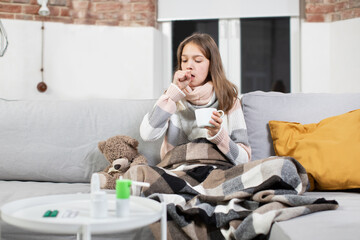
(41, 87)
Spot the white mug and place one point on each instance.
(203, 116)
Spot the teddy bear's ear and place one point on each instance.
(131, 141)
(101, 146)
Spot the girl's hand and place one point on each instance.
(216, 120)
(182, 79)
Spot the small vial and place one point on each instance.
(98, 199)
(122, 197)
(99, 207)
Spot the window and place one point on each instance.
(259, 42)
(265, 54)
(183, 29)
(264, 50)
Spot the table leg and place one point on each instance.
(0, 225)
(163, 222)
(86, 233)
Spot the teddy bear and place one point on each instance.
(121, 152)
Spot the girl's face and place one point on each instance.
(192, 59)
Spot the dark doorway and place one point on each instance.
(265, 54)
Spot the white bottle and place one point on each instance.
(99, 208)
(123, 195)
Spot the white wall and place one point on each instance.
(331, 56)
(315, 56)
(84, 61)
(345, 55)
(80, 61)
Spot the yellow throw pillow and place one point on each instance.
(328, 150)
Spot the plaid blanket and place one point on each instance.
(208, 198)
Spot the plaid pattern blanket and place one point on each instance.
(208, 198)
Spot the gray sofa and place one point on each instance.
(259, 108)
(50, 147)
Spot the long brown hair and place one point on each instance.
(226, 92)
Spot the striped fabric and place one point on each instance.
(175, 117)
(208, 198)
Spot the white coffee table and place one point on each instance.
(28, 214)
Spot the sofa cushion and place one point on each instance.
(261, 107)
(343, 223)
(329, 150)
(57, 140)
(15, 190)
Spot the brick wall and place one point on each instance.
(97, 12)
(331, 10)
(143, 12)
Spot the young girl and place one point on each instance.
(199, 82)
